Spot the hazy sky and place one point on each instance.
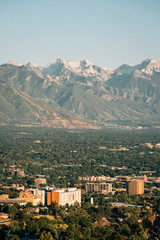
(106, 32)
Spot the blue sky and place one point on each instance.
(106, 32)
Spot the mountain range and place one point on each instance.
(79, 94)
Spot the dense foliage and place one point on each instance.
(64, 155)
(86, 223)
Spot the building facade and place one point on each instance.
(99, 187)
(64, 196)
(136, 187)
(38, 196)
(45, 196)
(34, 196)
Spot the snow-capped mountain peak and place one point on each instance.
(33, 65)
(55, 62)
(146, 69)
(126, 69)
(83, 68)
(86, 63)
(12, 62)
(149, 66)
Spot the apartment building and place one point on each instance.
(99, 187)
(96, 179)
(45, 196)
(64, 196)
(136, 187)
(38, 195)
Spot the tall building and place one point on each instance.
(99, 187)
(64, 196)
(136, 187)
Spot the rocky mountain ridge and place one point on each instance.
(89, 91)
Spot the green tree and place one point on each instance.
(45, 236)
(132, 221)
(29, 204)
(15, 227)
(33, 227)
(100, 232)
(125, 229)
(12, 211)
(87, 234)
(15, 237)
(73, 232)
(53, 208)
(22, 215)
(51, 228)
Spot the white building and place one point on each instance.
(39, 196)
(64, 196)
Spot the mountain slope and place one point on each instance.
(141, 84)
(17, 107)
(94, 93)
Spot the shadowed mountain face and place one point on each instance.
(82, 89)
(18, 108)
